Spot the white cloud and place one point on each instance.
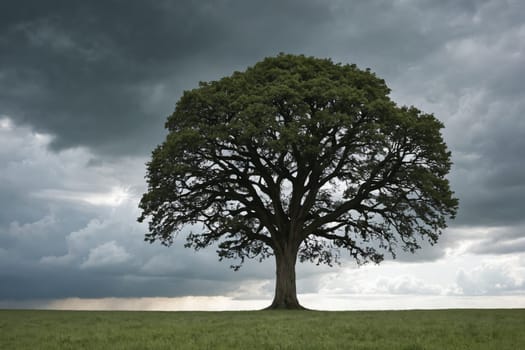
(114, 197)
(5, 123)
(384, 279)
(33, 229)
(106, 255)
(463, 275)
(405, 284)
(73, 174)
(493, 277)
(111, 239)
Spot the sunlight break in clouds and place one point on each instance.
(5, 123)
(115, 197)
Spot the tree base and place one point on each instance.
(285, 306)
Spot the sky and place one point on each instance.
(85, 89)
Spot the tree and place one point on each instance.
(299, 158)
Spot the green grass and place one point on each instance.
(403, 330)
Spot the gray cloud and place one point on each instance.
(106, 75)
(89, 86)
(501, 240)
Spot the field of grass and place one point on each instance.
(403, 330)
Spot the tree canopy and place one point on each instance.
(298, 157)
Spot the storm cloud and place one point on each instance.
(85, 89)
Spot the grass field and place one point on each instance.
(403, 330)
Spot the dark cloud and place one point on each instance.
(501, 241)
(86, 87)
(489, 169)
(106, 75)
(55, 258)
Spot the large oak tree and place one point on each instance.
(299, 158)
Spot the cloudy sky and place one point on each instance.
(85, 88)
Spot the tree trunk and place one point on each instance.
(285, 290)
